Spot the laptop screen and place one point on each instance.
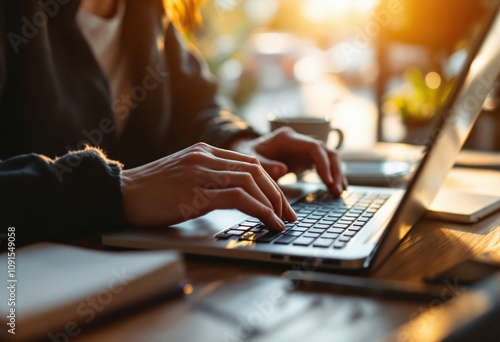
(468, 74)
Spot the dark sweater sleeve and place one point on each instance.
(197, 114)
(60, 200)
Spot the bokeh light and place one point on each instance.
(433, 80)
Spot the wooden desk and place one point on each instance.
(235, 301)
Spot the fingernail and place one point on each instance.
(340, 188)
(279, 222)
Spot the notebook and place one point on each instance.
(56, 290)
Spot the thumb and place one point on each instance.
(274, 168)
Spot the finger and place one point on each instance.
(274, 168)
(232, 155)
(320, 158)
(336, 168)
(283, 205)
(228, 154)
(263, 180)
(237, 198)
(242, 180)
(315, 150)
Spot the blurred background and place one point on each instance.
(379, 69)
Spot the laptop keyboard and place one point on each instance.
(323, 221)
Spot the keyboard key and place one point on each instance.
(306, 225)
(350, 233)
(345, 221)
(304, 241)
(267, 237)
(322, 212)
(344, 238)
(319, 231)
(321, 226)
(330, 235)
(285, 239)
(308, 221)
(335, 230)
(314, 217)
(312, 207)
(352, 215)
(247, 236)
(339, 225)
(250, 224)
(293, 233)
(334, 214)
(324, 243)
(235, 232)
(359, 224)
(360, 206)
(339, 244)
(313, 235)
(298, 229)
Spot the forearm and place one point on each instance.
(60, 200)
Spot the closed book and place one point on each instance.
(53, 291)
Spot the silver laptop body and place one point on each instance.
(399, 211)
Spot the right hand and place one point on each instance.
(197, 180)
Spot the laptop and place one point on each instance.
(360, 229)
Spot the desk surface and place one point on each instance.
(235, 301)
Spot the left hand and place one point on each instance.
(285, 150)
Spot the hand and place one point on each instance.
(197, 180)
(285, 150)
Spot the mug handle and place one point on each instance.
(341, 137)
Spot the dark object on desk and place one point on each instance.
(484, 328)
(370, 287)
(472, 316)
(472, 270)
